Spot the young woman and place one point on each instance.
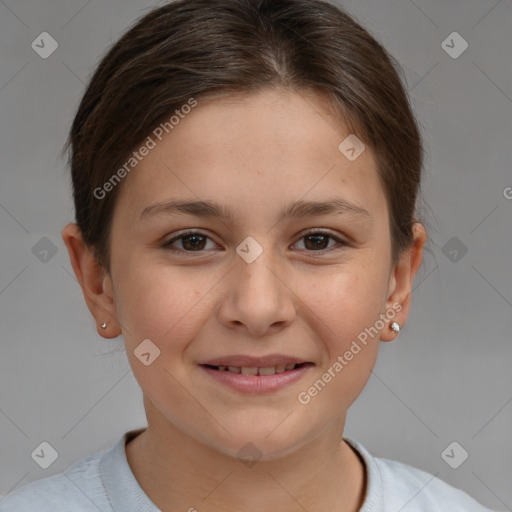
(245, 177)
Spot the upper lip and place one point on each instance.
(254, 362)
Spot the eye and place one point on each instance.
(191, 241)
(318, 241)
(196, 241)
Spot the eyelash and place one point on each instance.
(340, 243)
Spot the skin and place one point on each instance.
(254, 154)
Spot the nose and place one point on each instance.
(257, 298)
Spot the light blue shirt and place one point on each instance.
(104, 482)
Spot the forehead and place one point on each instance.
(259, 148)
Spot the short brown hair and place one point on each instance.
(196, 48)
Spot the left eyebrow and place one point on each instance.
(297, 209)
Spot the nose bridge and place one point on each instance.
(257, 296)
(255, 272)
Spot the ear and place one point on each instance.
(95, 282)
(401, 279)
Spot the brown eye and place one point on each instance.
(317, 241)
(192, 241)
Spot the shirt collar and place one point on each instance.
(125, 493)
(373, 501)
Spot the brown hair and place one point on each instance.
(195, 48)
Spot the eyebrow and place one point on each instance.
(297, 209)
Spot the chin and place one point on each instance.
(259, 446)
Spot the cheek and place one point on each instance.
(156, 301)
(344, 314)
(346, 300)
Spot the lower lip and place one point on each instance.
(257, 383)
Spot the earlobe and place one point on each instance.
(401, 280)
(90, 276)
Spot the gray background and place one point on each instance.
(446, 378)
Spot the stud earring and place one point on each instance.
(395, 326)
(103, 325)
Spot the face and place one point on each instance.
(294, 289)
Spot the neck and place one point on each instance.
(179, 473)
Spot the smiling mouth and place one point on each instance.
(254, 370)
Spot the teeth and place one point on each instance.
(249, 371)
(252, 370)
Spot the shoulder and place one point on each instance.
(395, 485)
(419, 489)
(78, 488)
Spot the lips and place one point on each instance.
(255, 375)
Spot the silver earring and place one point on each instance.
(103, 325)
(395, 326)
